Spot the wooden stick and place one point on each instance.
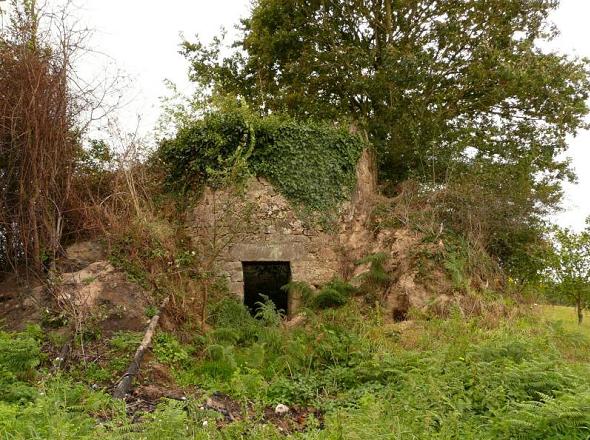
(124, 384)
(63, 355)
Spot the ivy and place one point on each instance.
(312, 164)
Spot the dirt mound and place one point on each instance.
(412, 285)
(20, 303)
(101, 293)
(89, 290)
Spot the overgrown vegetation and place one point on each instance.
(39, 141)
(439, 378)
(468, 119)
(312, 164)
(458, 97)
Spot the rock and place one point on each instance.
(215, 405)
(281, 409)
(296, 321)
(218, 405)
(104, 293)
(84, 253)
(82, 288)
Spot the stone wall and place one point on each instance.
(260, 225)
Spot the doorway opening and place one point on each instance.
(266, 278)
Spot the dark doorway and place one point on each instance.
(266, 278)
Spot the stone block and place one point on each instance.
(237, 276)
(237, 289)
(314, 272)
(267, 252)
(233, 266)
(278, 238)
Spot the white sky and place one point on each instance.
(572, 20)
(142, 38)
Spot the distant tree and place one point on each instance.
(570, 267)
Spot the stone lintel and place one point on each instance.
(267, 252)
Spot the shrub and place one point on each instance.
(329, 297)
(334, 294)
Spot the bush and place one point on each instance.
(334, 294)
(328, 297)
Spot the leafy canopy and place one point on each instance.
(459, 95)
(429, 80)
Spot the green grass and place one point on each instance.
(480, 378)
(568, 316)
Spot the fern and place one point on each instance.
(375, 280)
(267, 312)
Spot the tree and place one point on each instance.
(45, 109)
(570, 267)
(455, 93)
(427, 79)
(38, 140)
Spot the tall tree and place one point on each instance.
(429, 80)
(453, 92)
(40, 131)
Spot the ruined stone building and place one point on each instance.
(257, 240)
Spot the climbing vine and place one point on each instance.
(312, 164)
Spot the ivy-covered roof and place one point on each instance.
(312, 164)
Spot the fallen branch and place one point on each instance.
(124, 384)
(64, 353)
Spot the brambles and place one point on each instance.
(39, 143)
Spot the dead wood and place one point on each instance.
(63, 355)
(124, 384)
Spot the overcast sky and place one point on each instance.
(572, 20)
(142, 38)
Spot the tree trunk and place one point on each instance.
(580, 312)
(204, 305)
(124, 384)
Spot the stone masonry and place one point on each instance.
(259, 224)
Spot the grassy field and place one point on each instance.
(567, 316)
